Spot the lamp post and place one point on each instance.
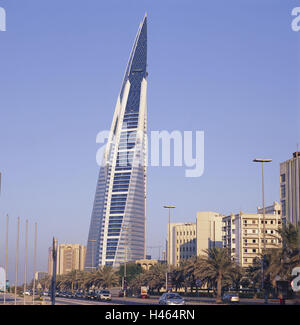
(17, 258)
(6, 246)
(26, 253)
(34, 261)
(53, 280)
(262, 161)
(125, 259)
(169, 244)
(93, 252)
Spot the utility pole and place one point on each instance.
(34, 262)
(26, 253)
(125, 259)
(53, 281)
(17, 259)
(262, 161)
(169, 243)
(6, 247)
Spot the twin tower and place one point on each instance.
(118, 224)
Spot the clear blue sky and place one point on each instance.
(229, 68)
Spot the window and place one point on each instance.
(283, 207)
(282, 178)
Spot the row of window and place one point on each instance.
(186, 233)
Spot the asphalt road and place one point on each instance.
(131, 301)
(152, 301)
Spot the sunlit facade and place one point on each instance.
(117, 229)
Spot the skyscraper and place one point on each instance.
(118, 223)
(290, 189)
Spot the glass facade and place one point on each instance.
(117, 228)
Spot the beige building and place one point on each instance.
(146, 264)
(190, 239)
(183, 242)
(70, 257)
(275, 208)
(209, 230)
(243, 235)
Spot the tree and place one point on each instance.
(132, 271)
(108, 277)
(214, 267)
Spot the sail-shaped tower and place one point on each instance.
(118, 223)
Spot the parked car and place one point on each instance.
(231, 298)
(27, 293)
(69, 294)
(121, 293)
(171, 299)
(104, 295)
(91, 296)
(79, 295)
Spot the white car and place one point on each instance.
(104, 295)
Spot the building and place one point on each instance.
(146, 264)
(70, 257)
(243, 235)
(290, 189)
(183, 242)
(40, 275)
(191, 239)
(275, 208)
(118, 218)
(209, 231)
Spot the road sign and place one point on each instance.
(198, 283)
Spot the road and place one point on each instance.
(129, 301)
(151, 301)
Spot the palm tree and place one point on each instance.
(254, 274)
(281, 261)
(107, 277)
(156, 276)
(214, 267)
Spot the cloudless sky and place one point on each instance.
(229, 68)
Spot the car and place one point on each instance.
(27, 293)
(91, 296)
(79, 295)
(104, 295)
(170, 298)
(231, 298)
(69, 294)
(122, 293)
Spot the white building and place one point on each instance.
(243, 235)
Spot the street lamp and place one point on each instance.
(169, 244)
(93, 253)
(125, 228)
(262, 161)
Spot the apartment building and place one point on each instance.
(243, 235)
(70, 257)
